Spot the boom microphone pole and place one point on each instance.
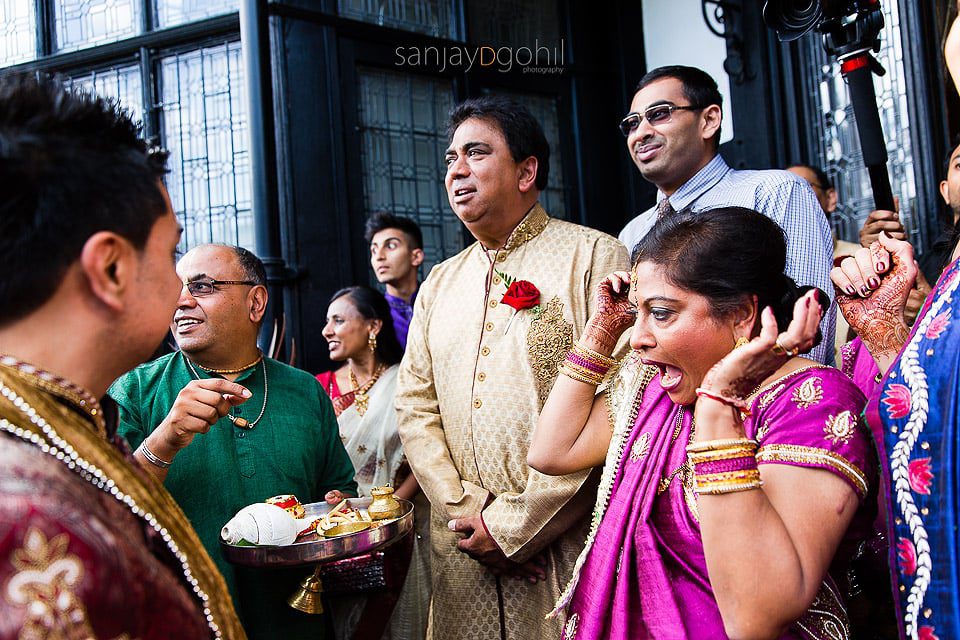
(857, 71)
(851, 33)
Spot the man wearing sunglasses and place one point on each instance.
(223, 426)
(673, 136)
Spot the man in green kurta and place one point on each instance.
(225, 427)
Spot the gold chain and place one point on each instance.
(684, 468)
(237, 370)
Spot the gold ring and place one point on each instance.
(780, 350)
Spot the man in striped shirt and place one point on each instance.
(673, 135)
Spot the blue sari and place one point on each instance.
(917, 408)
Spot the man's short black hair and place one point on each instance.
(253, 269)
(698, 87)
(823, 180)
(71, 165)
(523, 133)
(385, 220)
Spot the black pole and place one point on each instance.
(255, 43)
(858, 73)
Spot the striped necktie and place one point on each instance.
(664, 208)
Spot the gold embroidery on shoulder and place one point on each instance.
(808, 394)
(549, 338)
(771, 395)
(640, 448)
(840, 428)
(779, 384)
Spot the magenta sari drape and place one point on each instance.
(645, 575)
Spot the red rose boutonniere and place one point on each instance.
(520, 295)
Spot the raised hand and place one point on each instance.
(614, 314)
(739, 372)
(197, 408)
(872, 290)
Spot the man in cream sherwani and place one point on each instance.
(476, 373)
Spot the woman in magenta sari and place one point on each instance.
(734, 472)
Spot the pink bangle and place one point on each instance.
(743, 463)
(737, 403)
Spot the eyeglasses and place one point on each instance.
(659, 114)
(200, 288)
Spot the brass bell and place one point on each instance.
(307, 597)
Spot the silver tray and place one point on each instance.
(315, 549)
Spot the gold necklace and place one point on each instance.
(684, 468)
(237, 370)
(243, 423)
(360, 393)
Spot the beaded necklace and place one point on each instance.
(243, 423)
(62, 388)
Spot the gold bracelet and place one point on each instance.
(725, 443)
(580, 375)
(732, 487)
(589, 354)
(697, 457)
(727, 482)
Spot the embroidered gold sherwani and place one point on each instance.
(469, 394)
(90, 546)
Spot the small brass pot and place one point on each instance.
(384, 506)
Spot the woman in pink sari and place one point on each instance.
(735, 473)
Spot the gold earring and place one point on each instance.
(372, 342)
(740, 342)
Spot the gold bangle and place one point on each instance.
(580, 375)
(727, 482)
(590, 354)
(698, 457)
(733, 487)
(725, 443)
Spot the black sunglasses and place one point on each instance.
(659, 114)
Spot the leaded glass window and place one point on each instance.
(174, 12)
(85, 23)
(402, 120)
(18, 34)
(433, 17)
(204, 124)
(544, 109)
(513, 23)
(123, 84)
(839, 143)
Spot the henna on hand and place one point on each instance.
(878, 317)
(614, 315)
